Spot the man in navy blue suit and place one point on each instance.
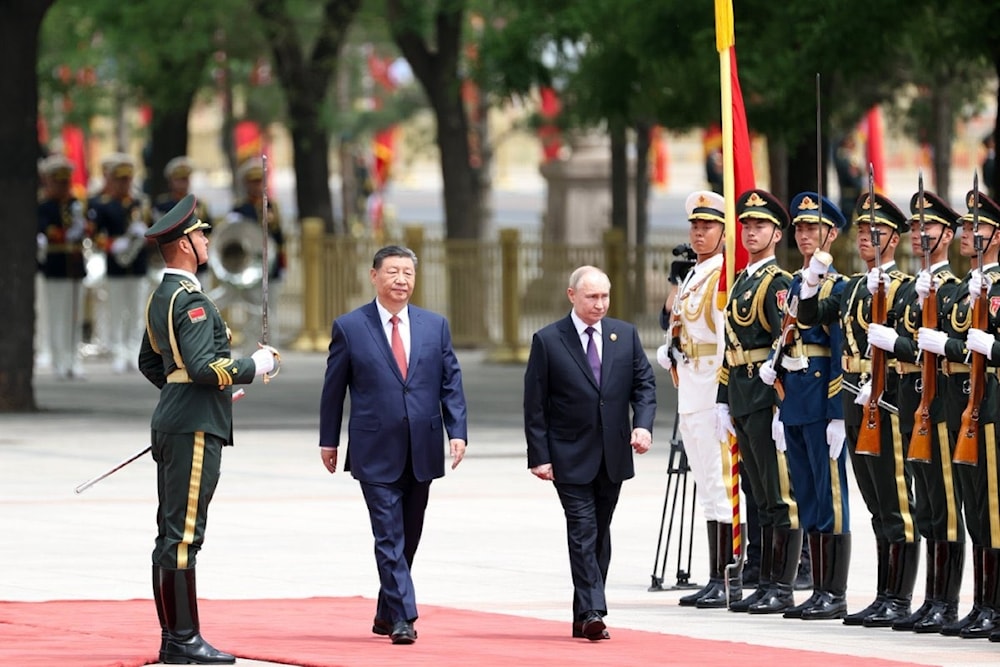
(584, 373)
(406, 394)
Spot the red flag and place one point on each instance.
(876, 146)
(658, 156)
(549, 133)
(74, 147)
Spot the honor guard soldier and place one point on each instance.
(185, 354)
(178, 174)
(976, 475)
(871, 427)
(922, 423)
(693, 355)
(62, 229)
(747, 408)
(251, 175)
(119, 217)
(806, 366)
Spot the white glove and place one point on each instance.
(119, 245)
(873, 277)
(979, 341)
(882, 337)
(767, 372)
(43, 247)
(976, 279)
(75, 231)
(924, 283)
(778, 432)
(931, 340)
(264, 360)
(864, 393)
(835, 434)
(819, 264)
(663, 357)
(137, 228)
(723, 423)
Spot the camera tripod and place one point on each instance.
(677, 490)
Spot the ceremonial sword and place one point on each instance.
(265, 332)
(237, 395)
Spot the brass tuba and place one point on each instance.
(235, 253)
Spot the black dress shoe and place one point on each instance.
(592, 627)
(380, 626)
(403, 633)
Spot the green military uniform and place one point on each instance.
(977, 484)
(937, 501)
(185, 353)
(753, 322)
(883, 480)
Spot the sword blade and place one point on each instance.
(264, 328)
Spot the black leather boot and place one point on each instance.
(931, 593)
(953, 629)
(714, 578)
(858, 617)
(158, 601)
(764, 581)
(836, 560)
(716, 599)
(804, 576)
(184, 644)
(816, 561)
(786, 546)
(949, 561)
(988, 619)
(902, 576)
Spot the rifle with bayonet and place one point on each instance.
(967, 444)
(920, 440)
(870, 435)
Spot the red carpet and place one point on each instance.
(334, 632)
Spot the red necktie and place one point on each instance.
(397, 346)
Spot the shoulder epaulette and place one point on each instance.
(896, 274)
(994, 271)
(775, 270)
(189, 286)
(946, 276)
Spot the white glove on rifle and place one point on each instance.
(663, 357)
(264, 359)
(767, 372)
(119, 245)
(75, 231)
(924, 283)
(874, 275)
(43, 247)
(778, 432)
(813, 274)
(835, 434)
(864, 393)
(931, 340)
(979, 341)
(723, 423)
(137, 228)
(976, 279)
(882, 337)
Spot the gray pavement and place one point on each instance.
(494, 539)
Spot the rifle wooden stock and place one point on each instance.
(967, 445)
(675, 343)
(920, 441)
(870, 436)
(788, 324)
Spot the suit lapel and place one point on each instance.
(378, 335)
(571, 339)
(416, 340)
(610, 336)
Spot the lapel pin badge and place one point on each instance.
(614, 337)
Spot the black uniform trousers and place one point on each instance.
(187, 472)
(767, 471)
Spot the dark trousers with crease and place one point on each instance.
(588, 509)
(396, 511)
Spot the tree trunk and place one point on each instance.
(619, 176)
(20, 21)
(169, 138)
(942, 117)
(311, 149)
(642, 146)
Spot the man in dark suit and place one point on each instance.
(185, 354)
(584, 373)
(406, 393)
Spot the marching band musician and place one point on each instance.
(977, 484)
(694, 355)
(62, 229)
(882, 479)
(813, 421)
(178, 174)
(119, 216)
(746, 407)
(937, 500)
